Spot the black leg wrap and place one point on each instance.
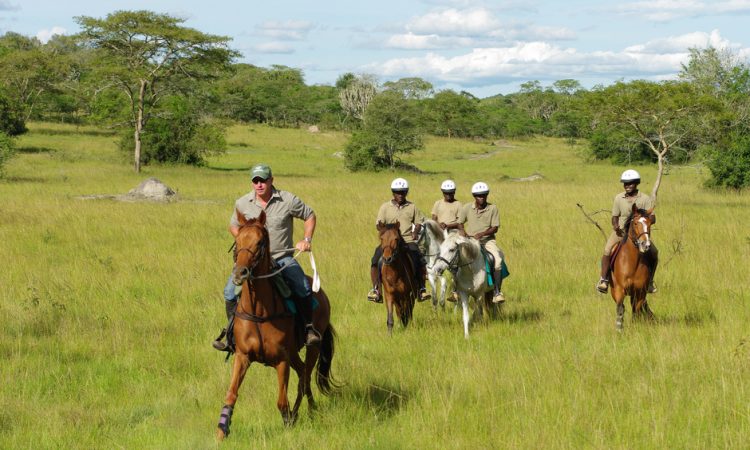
(225, 419)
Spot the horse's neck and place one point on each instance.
(259, 296)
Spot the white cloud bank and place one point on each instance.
(45, 35)
(666, 10)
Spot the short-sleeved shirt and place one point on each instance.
(623, 205)
(447, 212)
(281, 210)
(476, 220)
(406, 215)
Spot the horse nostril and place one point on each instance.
(244, 272)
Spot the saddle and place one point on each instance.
(489, 265)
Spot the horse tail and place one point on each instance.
(323, 376)
(405, 311)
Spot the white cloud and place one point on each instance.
(45, 35)
(456, 22)
(666, 10)
(290, 30)
(411, 41)
(658, 59)
(6, 5)
(273, 47)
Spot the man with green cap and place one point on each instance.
(281, 208)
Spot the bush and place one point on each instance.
(730, 164)
(11, 118)
(6, 150)
(177, 135)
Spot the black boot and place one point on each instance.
(218, 343)
(312, 336)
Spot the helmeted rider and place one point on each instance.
(481, 220)
(281, 208)
(447, 210)
(621, 209)
(410, 219)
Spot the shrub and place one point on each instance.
(730, 164)
(6, 150)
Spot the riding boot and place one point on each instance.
(603, 283)
(423, 294)
(499, 297)
(651, 286)
(218, 343)
(374, 294)
(305, 307)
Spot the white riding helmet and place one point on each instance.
(448, 186)
(630, 175)
(480, 188)
(399, 184)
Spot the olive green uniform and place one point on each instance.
(477, 220)
(406, 215)
(622, 207)
(446, 212)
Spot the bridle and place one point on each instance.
(635, 237)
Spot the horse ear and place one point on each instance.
(240, 217)
(650, 212)
(262, 218)
(634, 210)
(380, 226)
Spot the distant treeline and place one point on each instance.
(704, 114)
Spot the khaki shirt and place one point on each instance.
(447, 213)
(406, 215)
(478, 220)
(623, 205)
(281, 209)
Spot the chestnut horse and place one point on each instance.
(264, 331)
(631, 269)
(397, 271)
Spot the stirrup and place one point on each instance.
(424, 295)
(499, 297)
(220, 345)
(312, 337)
(652, 288)
(374, 296)
(453, 297)
(603, 285)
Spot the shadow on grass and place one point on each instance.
(691, 319)
(229, 169)
(384, 401)
(74, 132)
(526, 316)
(34, 150)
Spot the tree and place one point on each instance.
(11, 117)
(660, 116)
(389, 128)
(6, 150)
(413, 88)
(357, 94)
(730, 163)
(452, 114)
(149, 56)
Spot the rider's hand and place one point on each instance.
(618, 230)
(477, 236)
(443, 226)
(303, 246)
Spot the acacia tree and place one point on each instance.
(662, 116)
(149, 56)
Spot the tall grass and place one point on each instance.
(108, 308)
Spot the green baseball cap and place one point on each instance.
(260, 171)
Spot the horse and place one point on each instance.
(631, 269)
(433, 237)
(463, 257)
(264, 331)
(397, 273)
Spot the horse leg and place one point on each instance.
(389, 320)
(618, 294)
(303, 382)
(311, 358)
(239, 369)
(282, 403)
(443, 287)
(431, 277)
(465, 306)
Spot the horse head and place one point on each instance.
(639, 228)
(450, 251)
(251, 246)
(390, 240)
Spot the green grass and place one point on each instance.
(108, 308)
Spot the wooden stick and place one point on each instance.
(588, 217)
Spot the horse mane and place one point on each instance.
(629, 220)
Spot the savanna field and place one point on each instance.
(108, 308)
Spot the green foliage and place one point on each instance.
(451, 114)
(730, 164)
(177, 135)
(7, 150)
(11, 117)
(390, 128)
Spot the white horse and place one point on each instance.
(433, 237)
(463, 257)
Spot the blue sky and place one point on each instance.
(483, 47)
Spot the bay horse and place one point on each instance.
(631, 269)
(463, 257)
(397, 273)
(264, 331)
(433, 237)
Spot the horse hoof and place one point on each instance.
(220, 434)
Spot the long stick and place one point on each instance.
(588, 217)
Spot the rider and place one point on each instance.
(281, 208)
(410, 219)
(621, 209)
(481, 220)
(446, 213)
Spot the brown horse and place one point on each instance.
(264, 331)
(397, 271)
(631, 269)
